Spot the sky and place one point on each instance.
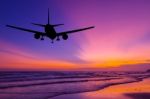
(121, 36)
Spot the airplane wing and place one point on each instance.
(28, 30)
(73, 31)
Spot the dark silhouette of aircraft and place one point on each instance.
(50, 31)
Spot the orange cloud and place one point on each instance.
(12, 57)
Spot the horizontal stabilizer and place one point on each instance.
(57, 25)
(38, 24)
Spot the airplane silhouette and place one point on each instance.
(49, 31)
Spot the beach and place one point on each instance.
(136, 90)
(74, 85)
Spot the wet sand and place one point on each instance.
(136, 90)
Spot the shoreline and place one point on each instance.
(71, 85)
(118, 91)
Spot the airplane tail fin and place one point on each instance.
(49, 21)
(48, 15)
(38, 24)
(55, 25)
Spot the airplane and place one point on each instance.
(50, 32)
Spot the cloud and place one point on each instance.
(16, 53)
(13, 57)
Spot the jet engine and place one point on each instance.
(36, 36)
(65, 36)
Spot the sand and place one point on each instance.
(136, 90)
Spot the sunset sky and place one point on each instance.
(121, 35)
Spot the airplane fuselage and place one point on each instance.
(50, 31)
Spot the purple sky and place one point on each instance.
(121, 35)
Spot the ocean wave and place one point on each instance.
(48, 88)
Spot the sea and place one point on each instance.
(51, 84)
